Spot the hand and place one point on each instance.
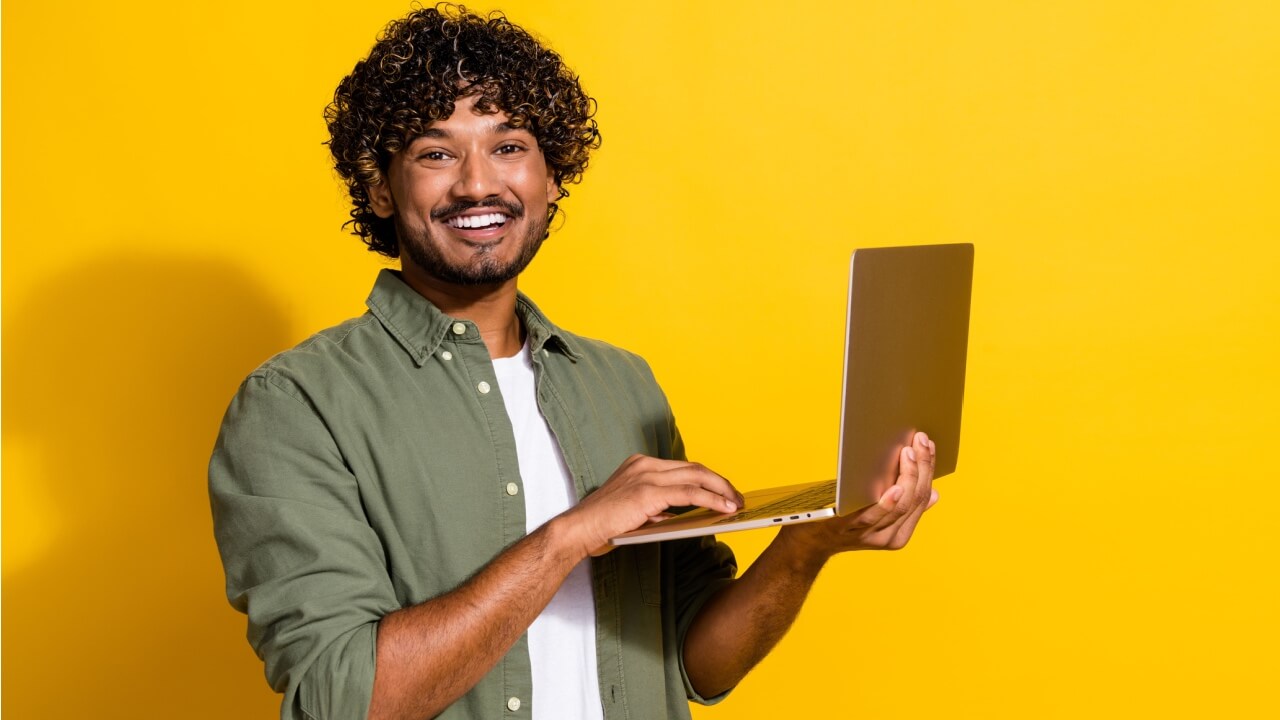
(640, 491)
(889, 523)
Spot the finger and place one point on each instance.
(927, 452)
(908, 482)
(696, 474)
(650, 463)
(685, 495)
(880, 512)
(905, 528)
(922, 454)
(660, 517)
(632, 460)
(664, 471)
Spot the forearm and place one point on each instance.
(430, 654)
(738, 626)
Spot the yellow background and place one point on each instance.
(1109, 545)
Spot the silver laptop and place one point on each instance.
(906, 338)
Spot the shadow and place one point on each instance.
(116, 377)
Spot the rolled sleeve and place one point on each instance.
(701, 567)
(300, 557)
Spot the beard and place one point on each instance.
(483, 268)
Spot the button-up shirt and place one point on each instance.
(373, 467)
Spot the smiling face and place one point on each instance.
(469, 198)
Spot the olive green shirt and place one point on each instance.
(373, 467)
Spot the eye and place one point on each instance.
(510, 149)
(434, 156)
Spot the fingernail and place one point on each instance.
(732, 507)
(911, 453)
(895, 492)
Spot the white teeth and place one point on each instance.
(477, 221)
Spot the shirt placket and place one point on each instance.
(481, 383)
(603, 569)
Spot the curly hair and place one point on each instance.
(418, 68)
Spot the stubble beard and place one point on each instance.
(483, 268)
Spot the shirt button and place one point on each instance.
(459, 329)
(483, 387)
(446, 355)
(513, 489)
(513, 704)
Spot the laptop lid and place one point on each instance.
(905, 350)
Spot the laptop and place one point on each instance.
(906, 340)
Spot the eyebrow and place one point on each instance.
(442, 134)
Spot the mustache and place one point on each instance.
(514, 209)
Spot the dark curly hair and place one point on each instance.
(424, 62)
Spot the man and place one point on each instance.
(413, 507)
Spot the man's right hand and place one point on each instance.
(640, 491)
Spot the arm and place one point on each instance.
(743, 622)
(303, 562)
(301, 559)
(430, 654)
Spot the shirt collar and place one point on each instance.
(420, 327)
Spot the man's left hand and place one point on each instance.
(886, 525)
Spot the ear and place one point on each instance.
(380, 199)
(553, 188)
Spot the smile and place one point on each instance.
(476, 222)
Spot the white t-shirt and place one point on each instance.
(562, 640)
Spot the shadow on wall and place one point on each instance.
(117, 374)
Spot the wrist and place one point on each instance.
(801, 547)
(564, 539)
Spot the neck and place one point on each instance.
(491, 307)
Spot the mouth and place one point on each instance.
(486, 221)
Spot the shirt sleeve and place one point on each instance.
(700, 567)
(301, 559)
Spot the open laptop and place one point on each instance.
(906, 339)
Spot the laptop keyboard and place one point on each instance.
(816, 497)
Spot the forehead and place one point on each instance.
(467, 120)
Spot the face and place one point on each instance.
(469, 198)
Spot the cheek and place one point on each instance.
(537, 189)
(531, 181)
(423, 193)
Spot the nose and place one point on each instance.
(478, 178)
